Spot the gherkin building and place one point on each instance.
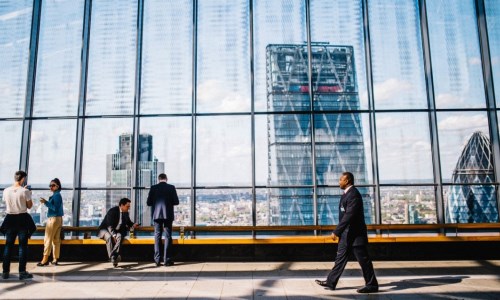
(473, 203)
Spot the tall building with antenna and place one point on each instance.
(119, 173)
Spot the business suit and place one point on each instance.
(114, 226)
(162, 198)
(353, 237)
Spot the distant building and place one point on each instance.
(339, 137)
(473, 203)
(119, 173)
(411, 214)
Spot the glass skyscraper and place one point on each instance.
(339, 144)
(119, 172)
(473, 203)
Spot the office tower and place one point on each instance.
(119, 172)
(338, 139)
(473, 203)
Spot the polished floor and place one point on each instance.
(253, 280)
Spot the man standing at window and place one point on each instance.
(114, 228)
(162, 198)
(353, 237)
(17, 223)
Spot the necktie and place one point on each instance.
(119, 222)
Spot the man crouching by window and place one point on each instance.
(114, 227)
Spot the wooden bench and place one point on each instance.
(380, 233)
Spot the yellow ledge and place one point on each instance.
(278, 240)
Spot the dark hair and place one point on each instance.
(162, 176)
(58, 182)
(350, 177)
(20, 175)
(124, 201)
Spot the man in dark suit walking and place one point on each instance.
(114, 228)
(162, 198)
(353, 237)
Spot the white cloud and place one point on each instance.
(421, 146)
(391, 88)
(387, 122)
(461, 122)
(474, 61)
(15, 14)
(38, 136)
(449, 100)
(384, 122)
(216, 96)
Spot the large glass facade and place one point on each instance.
(254, 108)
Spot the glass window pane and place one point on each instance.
(408, 205)
(285, 207)
(328, 205)
(471, 204)
(39, 211)
(107, 150)
(464, 147)
(339, 23)
(397, 56)
(283, 149)
(223, 56)
(182, 212)
(493, 24)
(456, 60)
(58, 61)
(94, 205)
(167, 49)
(15, 30)
(404, 148)
(52, 152)
(223, 151)
(224, 207)
(279, 22)
(9, 152)
(170, 150)
(342, 145)
(112, 57)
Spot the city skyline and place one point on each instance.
(69, 88)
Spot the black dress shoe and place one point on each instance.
(158, 264)
(325, 284)
(368, 289)
(25, 275)
(41, 264)
(169, 263)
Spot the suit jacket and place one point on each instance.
(352, 228)
(162, 198)
(112, 218)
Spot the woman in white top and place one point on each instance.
(17, 223)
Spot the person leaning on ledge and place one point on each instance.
(353, 237)
(17, 223)
(162, 198)
(114, 228)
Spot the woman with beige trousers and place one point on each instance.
(52, 239)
